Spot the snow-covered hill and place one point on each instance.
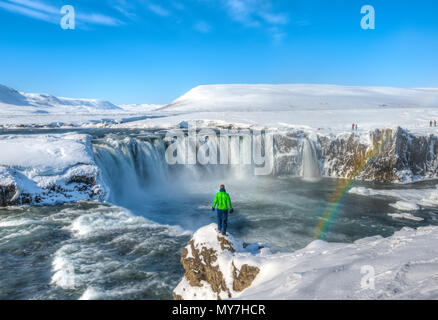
(18, 109)
(13, 101)
(326, 108)
(216, 98)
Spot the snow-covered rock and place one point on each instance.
(402, 266)
(47, 169)
(217, 266)
(406, 216)
(409, 200)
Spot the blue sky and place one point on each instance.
(151, 51)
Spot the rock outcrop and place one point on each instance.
(18, 189)
(216, 267)
(391, 155)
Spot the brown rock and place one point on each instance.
(199, 268)
(177, 297)
(225, 244)
(244, 278)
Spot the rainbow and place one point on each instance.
(330, 212)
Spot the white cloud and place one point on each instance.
(258, 13)
(250, 13)
(158, 10)
(96, 18)
(274, 18)
(26, 12)
(254, 12)
(124, 7)
(49, 13)
(37, 5)
(242, 11)
(202, 27)
(277, 35)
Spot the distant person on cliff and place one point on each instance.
(223, 203)
(431, 123)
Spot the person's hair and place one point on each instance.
(222, 186)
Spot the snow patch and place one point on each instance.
(406, 216)
(409, 199)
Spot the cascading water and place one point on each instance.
(310, 168)
(130, 165)
(137, 177)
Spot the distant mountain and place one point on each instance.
(289, 97)
(12, 100)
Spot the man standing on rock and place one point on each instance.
(223, 202)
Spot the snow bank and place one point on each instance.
(410, 199)
(48, 169)
(406, 216)
(45, 152)
(405, 206)
(402, 266)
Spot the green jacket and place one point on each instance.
(222, 200)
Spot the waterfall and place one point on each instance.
(232, 160)
(134, 167)
(310, 167)
(130, 165)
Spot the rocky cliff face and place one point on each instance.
(390, 155)
(216, 267)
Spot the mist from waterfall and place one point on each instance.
(310, 167)
(137, 177)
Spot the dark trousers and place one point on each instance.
(222, 220)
